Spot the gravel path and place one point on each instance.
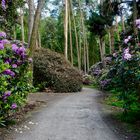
(75, 116)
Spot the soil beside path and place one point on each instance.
(73, 116)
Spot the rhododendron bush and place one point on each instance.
(14, 76)
(124, 73)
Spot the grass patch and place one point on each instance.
(91, 86)
(113, 100)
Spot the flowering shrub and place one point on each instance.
(14, 76)
(126, 73)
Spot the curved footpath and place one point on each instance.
(76, 116)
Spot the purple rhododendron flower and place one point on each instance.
(3, 4)
(21, 51)
(9, 72)
(126, 41)
(105, 83)
(14, 65)
(1, 46)
(14, 106)
(7, 93)
(114, 54)
(126, 50)
(127, 55)
(129, 37)
(5, 41)
(14, 47)
(3, 34)
(8, 60)
(30, 60)
(138, 22)
(19, 62)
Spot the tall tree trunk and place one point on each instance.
(102, 49)
(117, 29)
(31, 18)
(135, 16)
(22, 24)
(84, 36)
(36, 26)
(66, 30)
(14, 31)
(76, 36)
(70, 32)
(85, 62)
(39, 40)
(122, 20)
(87, 51)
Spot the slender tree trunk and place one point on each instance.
(117, 29)
(36, 26)
(31, 18)
(80, 50)
(110, 46)
(39, 40)
(70, 32)
(87, 50)
(122, 20)
(66, 30)
(22, 24)
(135, 16)
(84, 36)
(14, 31)
(76, 36)
(102, 50)
(85, 62)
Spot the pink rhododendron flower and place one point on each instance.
(5, 41)
(126, 40)
(14, 106)
(7, 93)
(126, 50)
(14, 47)
(137, 22)
(3, 4)
(129, 37)
(3, 34)
(127, 56)
(14, 65)
(30, 60)
(1, 46)
(9, 72)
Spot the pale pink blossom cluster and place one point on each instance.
(138, 23)
(127, 39)
(127, 55)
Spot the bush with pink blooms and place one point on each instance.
(124, 73)
(14, 77)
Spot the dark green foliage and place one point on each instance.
(97, 24)
(9, 16)
(53, 71)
